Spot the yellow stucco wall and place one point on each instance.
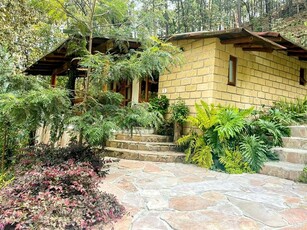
(193, 80)
(261, 77)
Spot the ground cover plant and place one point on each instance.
(225, 134)
(287, 112)
(57, 189)
(303, 176)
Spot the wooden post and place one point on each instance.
(53, 80)
(105, 88)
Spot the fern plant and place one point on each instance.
(295, 110)
(196, 151)
(220, 128)
(206, 116)
(234, 162)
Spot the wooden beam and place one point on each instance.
(267, 50)
(61, 69)
(248, 39)
(56, 56)
(53, 80)
(47, 64)
(248, 45)
(54, 60)
(298, 55)
(291, 46)
(274, 39)
(43, 67)
(296, 52)
(39, 70)
(302, 59)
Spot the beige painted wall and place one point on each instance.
(261, 77)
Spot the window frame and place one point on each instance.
(302, 77)
(234, 61)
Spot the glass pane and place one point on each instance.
(231, 71)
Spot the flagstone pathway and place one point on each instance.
(174, 196)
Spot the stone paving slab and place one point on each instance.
(175, 196)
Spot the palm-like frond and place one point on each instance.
(272, 130)
(231, 122)
(254, 152)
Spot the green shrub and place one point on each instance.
(220, 128)
(253, 150)
(167, 128)
(140, 115)
(197, 151)
(289, 112)
(228, 128)
(5, 179)
(234, 163)
(179, 112)
(160, 104)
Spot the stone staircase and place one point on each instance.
(143, 146)
(292, 156)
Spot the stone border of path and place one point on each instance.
(175, 196)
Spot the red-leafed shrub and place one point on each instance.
(56, 195)
(46, 155)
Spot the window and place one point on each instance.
(149, 88)
(302, 76)
(232, 71)
(124, 87)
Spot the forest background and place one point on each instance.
(31, 28)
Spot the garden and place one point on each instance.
(229, 139)
(47, 187)
(50, 187)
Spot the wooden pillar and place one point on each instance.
(105, 88)
(53, 80)
(135, 91)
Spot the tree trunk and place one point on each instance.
(4, 149)
(32, 137)
(90, 47)
(239, 13)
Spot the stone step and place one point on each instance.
(169, 156)
(295, 142)
(282, 169)
(299, 131)
(138, 130)
(143, 138)
(138, 145)
(298, 156)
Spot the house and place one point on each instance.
(235, 67)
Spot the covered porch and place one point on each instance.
(60, 62)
